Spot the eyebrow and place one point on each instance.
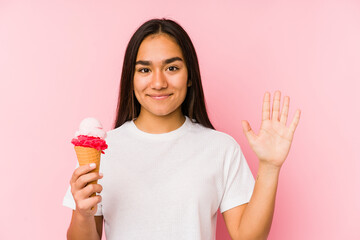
(166, 61)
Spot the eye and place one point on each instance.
(144, 70)
(172, 68)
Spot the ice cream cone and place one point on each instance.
(87, 155)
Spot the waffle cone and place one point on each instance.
(87, 155)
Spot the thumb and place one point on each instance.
(249, 133)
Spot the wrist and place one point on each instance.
(269, 165)
(82, 218)
(268, 169)
(268, 175)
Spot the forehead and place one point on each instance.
(158, 47)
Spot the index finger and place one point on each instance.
(81, 171)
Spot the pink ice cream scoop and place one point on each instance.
(91, 134)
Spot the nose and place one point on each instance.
(158, 81)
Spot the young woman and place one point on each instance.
(167, 171)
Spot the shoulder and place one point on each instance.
(214, 136)
(113, 134)
(116, 137)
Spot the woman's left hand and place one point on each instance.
(273, 142)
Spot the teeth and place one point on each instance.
(160, 97)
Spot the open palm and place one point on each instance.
(273, 142)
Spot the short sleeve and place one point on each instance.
(69, 201)
(238, 179)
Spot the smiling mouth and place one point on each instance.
(160, 97)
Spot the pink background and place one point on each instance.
(60, 61)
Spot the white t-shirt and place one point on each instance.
(170, 185)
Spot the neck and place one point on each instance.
(159, 124)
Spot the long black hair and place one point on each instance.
(128, 107)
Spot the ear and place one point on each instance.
(189, 83)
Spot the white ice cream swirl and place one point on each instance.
(91, 127)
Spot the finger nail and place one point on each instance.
(101, 174)
(92, 165)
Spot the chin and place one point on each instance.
(162, 112)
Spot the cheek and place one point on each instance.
(180, 82)
(139, 84)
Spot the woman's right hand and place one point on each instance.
(81, 190)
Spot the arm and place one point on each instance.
(84, 225)
(85, 228)
(271, 145)
(253, 220)
(99, 224)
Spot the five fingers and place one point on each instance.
(87, 191)
(266, 107)
(276, 105)
(285, 110)
(82, 190)
(249, 133)
(295, 121)
(82, 170)
(81, 176)
(88, 204)
(275, 112)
